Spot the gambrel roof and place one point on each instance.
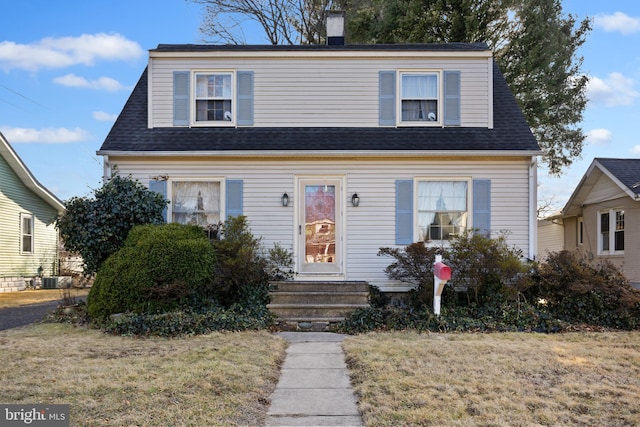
(509, 135)
(625, 173)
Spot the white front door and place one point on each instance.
(319, 226)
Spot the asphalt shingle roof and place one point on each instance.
(627, 171)
(510, 132)
(441, 47)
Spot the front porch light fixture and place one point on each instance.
(285, 200)
(355, 200)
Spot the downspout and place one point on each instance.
(533, 205)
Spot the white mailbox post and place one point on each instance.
(441, 274)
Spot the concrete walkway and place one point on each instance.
(314, 387)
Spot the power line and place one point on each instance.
(22, 96)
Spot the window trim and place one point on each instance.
(416, 192)
(612, 231)
(193, 99)
(223, 193)
(30, 216)
(580, 231)
(439, 122)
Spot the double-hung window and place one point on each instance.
(419, 97)
(196, 202)
(611, 231)
(443, 209)
(26, 233)
(214, 97)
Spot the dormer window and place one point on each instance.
(214, 97)
(419, 97)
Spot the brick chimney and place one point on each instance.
(335, 27)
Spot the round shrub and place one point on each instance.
(159, 268)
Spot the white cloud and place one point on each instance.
(618, 22)
(101, 116)
(103, 83)
(599, 136)
(635, 149)
(45, 136)
(615, 90)
(61, 52)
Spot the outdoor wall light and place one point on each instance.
(355, 200)
(285, 200)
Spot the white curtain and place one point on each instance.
(196, 203)
(419, 97)
(422, 86)
(441, 197)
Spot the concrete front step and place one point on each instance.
(325, 286)
(317, 301)
(319, 297)
(302, 311)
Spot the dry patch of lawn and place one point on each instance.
(216, 379)
(15, 299)
(513, 379)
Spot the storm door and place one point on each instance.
(320, 226)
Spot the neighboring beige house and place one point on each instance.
(602, 217)
(28, 238)
(333, 151)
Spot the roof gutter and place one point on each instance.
(319, 153)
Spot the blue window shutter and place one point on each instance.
(245, 98)
(387, 98)
(181, 98)
(234, 197)
(160, 187)
(452, 98)
(404, 212)
(482, 206)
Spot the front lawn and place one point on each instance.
(501, 379)
(214, 379)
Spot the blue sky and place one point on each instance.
(67, 68)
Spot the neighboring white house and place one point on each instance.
(333, 151)
(28, 238)
(550, 235)
(602, 216)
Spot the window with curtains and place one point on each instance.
(196, 202)
(419, 97)
(611, 231)
(213, 97)
(442, 209)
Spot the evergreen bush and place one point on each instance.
(159, 268)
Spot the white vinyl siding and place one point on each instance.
(321, 92)
(369, 226)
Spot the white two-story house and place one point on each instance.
(333, 151)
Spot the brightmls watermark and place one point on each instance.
(34, 415)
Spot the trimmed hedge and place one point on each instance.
(159, 268)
